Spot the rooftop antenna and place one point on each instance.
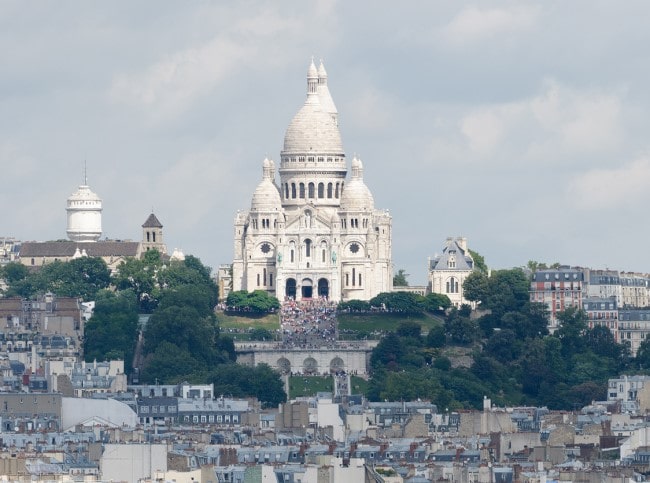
(85, 174)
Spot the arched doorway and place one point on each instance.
(284, 365)
(290, 288)
(323, 288)
(310, 366)
(337, 365)
(307, 288)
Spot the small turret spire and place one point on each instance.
(312, 78)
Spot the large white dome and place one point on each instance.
(314, 129)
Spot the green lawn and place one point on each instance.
(354, 326)
(238, 327)
(309, 385)
(358, 385)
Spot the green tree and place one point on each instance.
(409, 328)
(261, 382)
(504, 346)
(571, 331)
(388, 353)
(400, 278)
(436, 337)
(196, 296)
(475, 287)
(404, 302)
(479, 262)
(112, 331)
(354, 306)
(140, 277)
(461, 329)
(81, 277)
(185, 328)
(436, 303)
(508, 291)
(258, 301)
(14, 272)
(642, 359)
(169, 364)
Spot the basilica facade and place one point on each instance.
(316, 232)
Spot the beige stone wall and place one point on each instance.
(563, 434)
(416, 427)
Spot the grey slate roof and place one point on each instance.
(464, 260)
(152, 222)
(67, 248)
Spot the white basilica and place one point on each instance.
(316, 233)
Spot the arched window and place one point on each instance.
(286, 190)
(336, 193)
(293, 190)
(452, 285)
(312, 193)
(153, 234)
(265, 276)
(292, 257)
(271, 279)
(308, 248)
(354, 277)
(321, 190)
(302, 190)
(258, 279)
(359, 280)
(324, 255)
(347, 279)
(329, 190)
(147, 236)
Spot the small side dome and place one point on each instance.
(356, 195)
(266, 196)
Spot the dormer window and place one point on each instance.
(451, 263)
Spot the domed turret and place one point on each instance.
(266, 196)
(356, 195)
(84, 210)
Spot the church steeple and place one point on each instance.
(152, 235)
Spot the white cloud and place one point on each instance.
(205, 181)
(585, 121)
(171, 84)
(483, 129)
(16, 163)
(557, 123)
(370, 110)
(615, 188)
(474, 24)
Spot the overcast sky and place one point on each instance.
(522, 126)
